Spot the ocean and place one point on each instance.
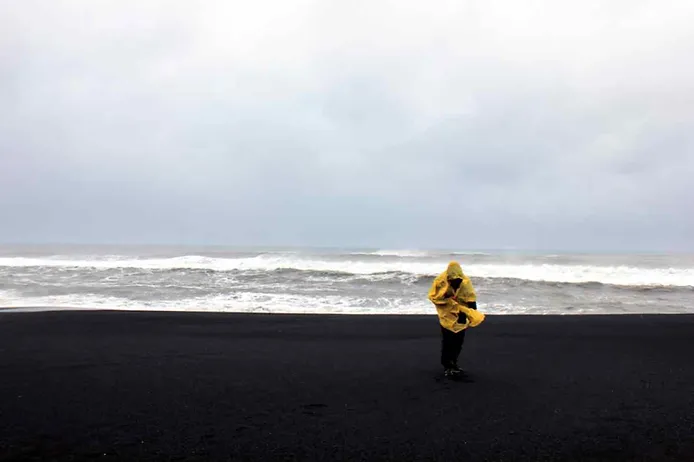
(336, 281)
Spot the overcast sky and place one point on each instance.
(550, 124)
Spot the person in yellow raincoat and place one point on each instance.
(456, 304)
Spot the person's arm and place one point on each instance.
(438, 294)
(466, 295)
(469, 301)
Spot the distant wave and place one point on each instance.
(613, 275)
(405, 253)
(396, 253)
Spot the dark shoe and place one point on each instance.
(452, 372)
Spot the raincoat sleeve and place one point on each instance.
(474, 317)
(466, 294)
(438, 293)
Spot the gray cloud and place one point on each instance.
(475, 124)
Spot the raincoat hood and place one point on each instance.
(454, 271)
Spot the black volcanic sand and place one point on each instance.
(189, 386)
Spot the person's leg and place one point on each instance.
(457, 346)
(447, 348)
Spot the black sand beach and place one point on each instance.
(187, 386)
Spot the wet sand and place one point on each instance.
(189, 386)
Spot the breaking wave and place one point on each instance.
(352, 265)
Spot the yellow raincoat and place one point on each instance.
(450, 303)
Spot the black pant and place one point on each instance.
(451, 344)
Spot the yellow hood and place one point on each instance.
(454, 271)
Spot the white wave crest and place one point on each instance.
(615, 275)
(399, 253)
(237, 302)
(256, 302)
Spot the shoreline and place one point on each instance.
(49, 309)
